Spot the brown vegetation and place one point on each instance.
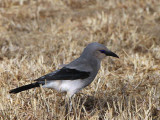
(37, 36)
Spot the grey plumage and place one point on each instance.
(75, 75)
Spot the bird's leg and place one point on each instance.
(66, 105)
(69, 105)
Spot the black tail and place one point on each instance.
(25, 87)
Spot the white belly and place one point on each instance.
(71, 86)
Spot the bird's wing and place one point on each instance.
(65, 74)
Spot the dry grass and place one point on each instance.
(38, 36)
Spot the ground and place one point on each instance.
(38, 36)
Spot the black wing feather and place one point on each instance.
(65, 74)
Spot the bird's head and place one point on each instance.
(98, 50)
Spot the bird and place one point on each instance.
(74, 76)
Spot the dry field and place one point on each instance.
(37, 36)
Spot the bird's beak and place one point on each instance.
(110, 53)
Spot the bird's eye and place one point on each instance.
(102, 51)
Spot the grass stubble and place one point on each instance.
(36, 37)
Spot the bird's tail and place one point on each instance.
(25, 87)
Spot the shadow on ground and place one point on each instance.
(85, 104)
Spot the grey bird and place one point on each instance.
(74, 76)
